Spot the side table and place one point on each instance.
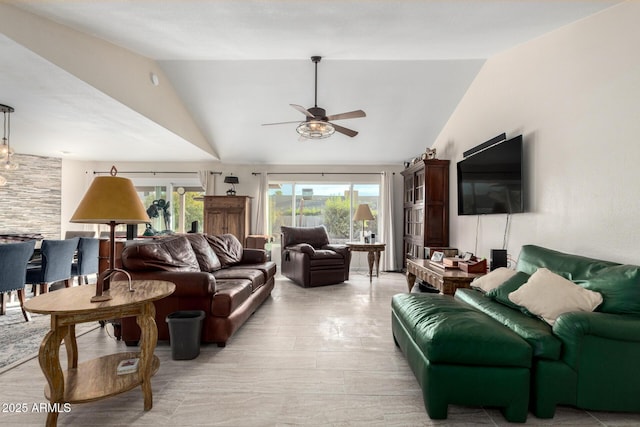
(96, 379)
(373, 254)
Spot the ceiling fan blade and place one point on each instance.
(343, 130)
(279, 123)
(350, 115)
(303, 110)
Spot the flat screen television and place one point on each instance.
(490, 181)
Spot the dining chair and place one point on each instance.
(13, 269)
(87, 259)
(69, 234)
(57, 257)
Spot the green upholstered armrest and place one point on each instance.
(572, 328)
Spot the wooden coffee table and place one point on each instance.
(445, 280)
(97, 378)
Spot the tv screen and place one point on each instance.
(490, 181)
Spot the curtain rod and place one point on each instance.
(155, 172)
(319, 173)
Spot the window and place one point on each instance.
(169, 210)
(330, 204)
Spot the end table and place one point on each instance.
(97, 378)
(373, 254)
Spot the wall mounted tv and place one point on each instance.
(490, 181)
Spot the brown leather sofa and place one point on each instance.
(214, 274)
(310, 260)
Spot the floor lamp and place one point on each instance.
(363, 213)
(110, 200)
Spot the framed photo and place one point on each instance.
(437, 256)
(467, 256)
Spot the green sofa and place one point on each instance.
(589, 360)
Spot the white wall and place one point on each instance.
(575, 96)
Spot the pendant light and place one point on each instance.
(6, 152)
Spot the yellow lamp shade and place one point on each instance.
(111, 199)
(363, 213)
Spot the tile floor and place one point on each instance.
(319, 357)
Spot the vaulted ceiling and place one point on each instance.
(195, 80)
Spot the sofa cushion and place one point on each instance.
(493, 279)
(501, 293)
(451, 332)
(207, 258)
(533, 330)
(572, 267)
(256, 277)
(548, 295)
(268, 268)
(227, 247)
(170, 254)
(230, 294)
(620, 289)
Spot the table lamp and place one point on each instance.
(110, 200)
(233, 180)
(363, 213)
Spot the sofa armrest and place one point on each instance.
(188, 283)
(304, 248)
(341, 249)
(573, 328)
(253, 256)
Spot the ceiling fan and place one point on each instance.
(317, 124)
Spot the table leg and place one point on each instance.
(370, 258)
(411, 279)
(71, 346)
(377, 263)
(148, 341)
(49, 358)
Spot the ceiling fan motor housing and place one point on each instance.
(318, 113)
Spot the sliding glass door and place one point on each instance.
(309, 204)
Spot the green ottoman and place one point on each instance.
(461, 356)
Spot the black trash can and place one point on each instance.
(185, 328)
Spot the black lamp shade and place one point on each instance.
(231, 180)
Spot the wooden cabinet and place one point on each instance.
(227, 214)
(426, 206)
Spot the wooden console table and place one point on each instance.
(445, 280)
(97, 378)
(373, 254)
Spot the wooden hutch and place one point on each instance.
(228, 214)
(426, 206)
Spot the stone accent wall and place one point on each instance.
(31, 201)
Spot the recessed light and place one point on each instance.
(154, 79)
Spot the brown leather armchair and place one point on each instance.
(310, 260)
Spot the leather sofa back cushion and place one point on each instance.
(207, 258)
(227, 247)
(572, 267)
(170, 254)
(620, 288)
(314, 236)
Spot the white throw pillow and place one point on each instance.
(548, 295)
(493, 279)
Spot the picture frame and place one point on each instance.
(467, 256)
(437, 256)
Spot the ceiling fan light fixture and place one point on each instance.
(315, 129)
